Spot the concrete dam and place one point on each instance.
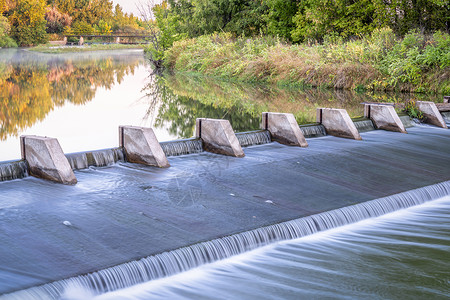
(146, 210)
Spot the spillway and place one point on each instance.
(120, 213)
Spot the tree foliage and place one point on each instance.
(300, 20)
(28, 23)
(56, 21)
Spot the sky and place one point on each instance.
(128, 6)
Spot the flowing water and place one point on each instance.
(98, 158)
(183, 259)
(310, 131)
(446, 116)
(13, 170)
(251, 138)
(182, 147)
(81, 99)
(403, 255)
(364, 125)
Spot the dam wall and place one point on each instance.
(124, 212)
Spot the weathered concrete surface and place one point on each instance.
(431, 112)
(46, 159)
(337, 122)
(218, 137)
(128, 211)
(141, 146)
(443, 107)
(384, 116)
(283, 128)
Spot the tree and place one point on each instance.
(28, 22)
(103, 28)
(279, 17)
(56, 21)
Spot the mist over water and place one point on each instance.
(402, 255)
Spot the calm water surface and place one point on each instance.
(402, 255)
(81, 99)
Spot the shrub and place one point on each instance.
(56, 21)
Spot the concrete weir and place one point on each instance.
(218, 137)
(46, 159)
(432, 114)
(384, 116)
(337, 122)
(141, 146)
(124, 212)
(283, 128)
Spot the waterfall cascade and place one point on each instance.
(176, 261)
(364, 125)
(250, 138)
(13, 170)
(446, 116)
(182, 147)
(406, 120)
(99, 158)
(310, 131)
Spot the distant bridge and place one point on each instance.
(124, 38)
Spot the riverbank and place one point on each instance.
(52, 49)
(379, 62)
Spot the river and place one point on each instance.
(82, 98)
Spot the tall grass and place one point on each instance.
(416, 63)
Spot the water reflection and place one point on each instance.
(82, 98)
(185, 98)
(32, 85)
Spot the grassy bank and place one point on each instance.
(416, 63)
(47, 48)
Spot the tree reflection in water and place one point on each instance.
(32, 85)
(183, 98)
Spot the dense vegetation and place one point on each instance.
(32, 22)
(367, 44)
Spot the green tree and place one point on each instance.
(28, 22)
(5, 40)
(279, 17)
(103, 28)
(82, 27)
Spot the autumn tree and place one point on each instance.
(56, 21)
(28, 22)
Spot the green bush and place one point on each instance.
(7, 42)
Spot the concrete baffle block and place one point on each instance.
(431, 112)
(141, 146)
(218, 137)
(337, 122)
(46, 159)
(446, 99)
(384, 116)
(283, 128)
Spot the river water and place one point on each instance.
(402, 255)
(81, 99)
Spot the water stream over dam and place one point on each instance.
(67, 231)
(391, 257)
(124, 224)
